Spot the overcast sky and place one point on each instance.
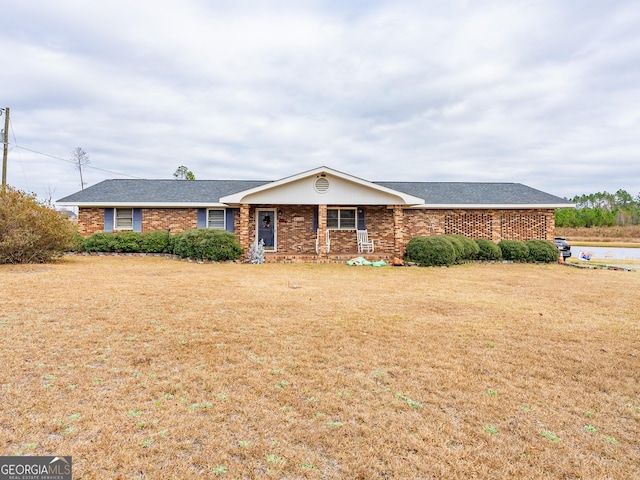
(540, 92)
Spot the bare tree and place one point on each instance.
(50, 191)
(80, 158)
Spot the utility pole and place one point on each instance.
(5, 141)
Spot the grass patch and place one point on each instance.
(490, 429)
(549, 435)
(363, 373)
(219, 470)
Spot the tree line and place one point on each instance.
(601, 209)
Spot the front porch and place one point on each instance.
(302, 233)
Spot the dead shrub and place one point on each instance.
(31, 231)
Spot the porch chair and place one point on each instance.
(364, 244)
(327, 242)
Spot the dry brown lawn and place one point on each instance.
(150, 368)
(629, 234)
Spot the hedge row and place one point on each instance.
(536, 251)
(200, 244)
(452, 249)
(220, 245)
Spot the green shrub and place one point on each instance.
(78, 242)
(171, 243)
(99, 242)
(458, 247)
(207, 244)
(31, 231)
(487, 250)
(514, 250)
(542, 251)
(155, 242)
(469, 248)
(429, 251)
(185, 243)
(127, 242)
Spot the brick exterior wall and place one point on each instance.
(173, 219)
(242, 227)
(91, 220)
(390, 228)
(380, 226)
(295, 229)
(294, 226)
(493, 225)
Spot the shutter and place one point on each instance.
(202, 218)
(315, 218)
(108, 219)
(228, 221)
(362, 220)
(137, 220)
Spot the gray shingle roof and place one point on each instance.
(210, 191)
(471, 193)
(160, 191)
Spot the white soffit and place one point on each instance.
(322, 186)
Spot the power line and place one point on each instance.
(73, 162)
(15, 142)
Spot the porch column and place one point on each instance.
(243, 228)
(398, 231)
(322, 231)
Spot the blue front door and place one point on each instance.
(266, 228)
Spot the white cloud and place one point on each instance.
(542, 93)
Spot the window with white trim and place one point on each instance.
(215, 218)
(123, 219)
(341, 218)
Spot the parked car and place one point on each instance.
(563, 246)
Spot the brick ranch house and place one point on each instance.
(314, 215)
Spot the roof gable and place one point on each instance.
(322, 186)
